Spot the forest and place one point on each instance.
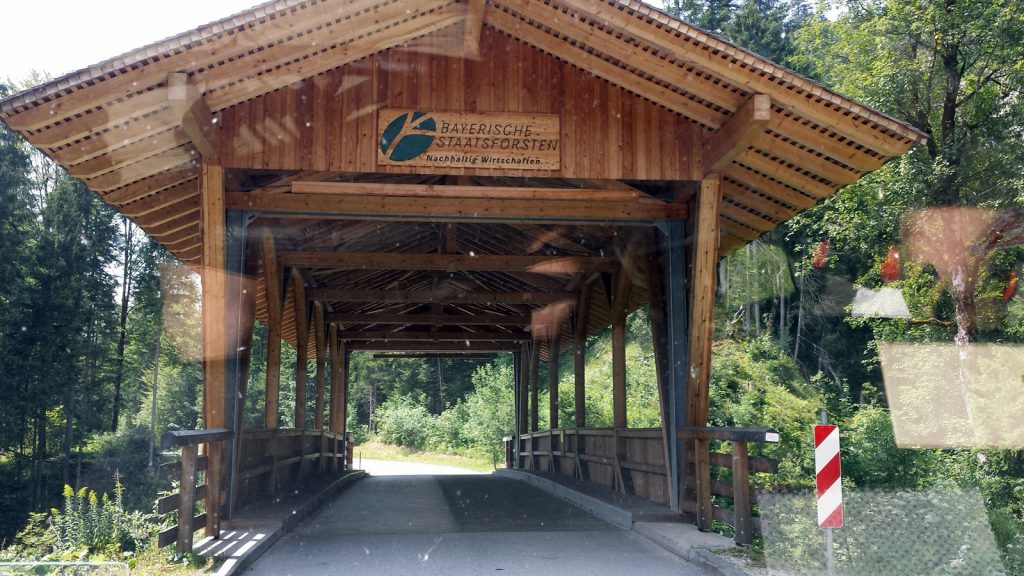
(99, 326)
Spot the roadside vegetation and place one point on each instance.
(99, 327)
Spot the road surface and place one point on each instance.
(467, 524)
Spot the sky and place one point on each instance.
(62, 36)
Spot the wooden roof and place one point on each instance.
(134, 127)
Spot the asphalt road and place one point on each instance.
(460, 525)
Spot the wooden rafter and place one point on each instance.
(193, 115)
(434, 346)
(439, 296)
(473, 25)
(551, 265)
(737, 134)
(404, 336)
(483, 319)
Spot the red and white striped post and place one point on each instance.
(829, 480)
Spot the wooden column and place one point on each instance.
(332, 402)
(620, 302)
(342, 386)
(580, 354)
(705, 262)
(242, 255)
(553, 346)
(534, 401)
(321, 359)
(524, 389)
(676, 306)
(272, 280)
(659, 340)
(302, 347)
(214, 321)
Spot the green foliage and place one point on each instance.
(754, 383)
(404, 422)
(88, 525)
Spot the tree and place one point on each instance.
(953, 70)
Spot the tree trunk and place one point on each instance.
(126, 278)
(69, 425)
(152, 402)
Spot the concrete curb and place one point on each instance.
(702, 557)
(287, 524)
(603, 510)
(614, 515)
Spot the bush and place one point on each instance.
(404, 422)
(357, 432)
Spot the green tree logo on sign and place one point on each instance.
(408, 136)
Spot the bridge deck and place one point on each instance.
(460, 525)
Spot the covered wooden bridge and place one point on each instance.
(445, 176)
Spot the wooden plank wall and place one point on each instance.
(328, 122)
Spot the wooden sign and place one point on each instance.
(468, 140)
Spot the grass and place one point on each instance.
(375, 450)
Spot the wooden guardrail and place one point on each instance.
(741, 463)
(632, 461)
(268, 459)
(184, 501)
(629, 460)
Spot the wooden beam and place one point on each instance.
(737, 134)
(194, 115)
(553, 265)
(472, 28)
(181, 174)
(321, 359)
(274, 300)
(485, 319)
(214, 333)
(434, 346)
(705, 261)
(439, 296)
(437, 209)
(109, 116)
(467, 191)
(301, 348)
(402, 336)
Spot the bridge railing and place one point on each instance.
(189, 494)
(268, 460)
(632, 461)
(741, 464)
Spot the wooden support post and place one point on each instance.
(659, 341)
(321, 358)
(342, 385)
(676, 308)
(186, 498)
(741, 493)
(242, 256)
(534, 401)
(553, 357)
(302, 347)
(705, 262)
(215, 346)
(580, 355)
(334, 412)
(524, 389)
(272, 280)
(702, 466)
(620, 303)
